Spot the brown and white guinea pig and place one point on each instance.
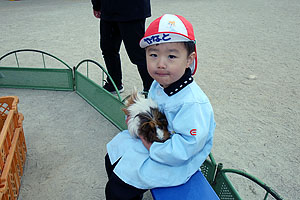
(145, 119)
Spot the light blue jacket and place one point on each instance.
(191, 120)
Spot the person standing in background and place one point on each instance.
(122, 21)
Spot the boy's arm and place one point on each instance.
(146, 143)
(96, 5)
(194, 126)
(96, 8)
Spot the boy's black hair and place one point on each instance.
(190, 46)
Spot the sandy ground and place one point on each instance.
(249, 58)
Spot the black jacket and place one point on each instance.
(122, 10)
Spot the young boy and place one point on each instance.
(134, 165)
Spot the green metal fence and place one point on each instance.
(39, 77)
(225, 189)
(104, 102)
(62, 78)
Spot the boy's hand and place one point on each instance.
(146, 143)
(97, 14)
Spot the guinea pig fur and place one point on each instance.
(146, 119)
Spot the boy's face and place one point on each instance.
(166, 62)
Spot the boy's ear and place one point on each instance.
(191, 58)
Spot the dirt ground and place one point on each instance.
(249, 58)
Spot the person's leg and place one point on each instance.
(116, 189)
(132, 32)
(110, 43)
(108, 166)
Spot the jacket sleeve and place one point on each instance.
(193, 125)
(96, 5)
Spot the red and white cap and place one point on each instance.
(170, 28)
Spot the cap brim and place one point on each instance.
(160, 38)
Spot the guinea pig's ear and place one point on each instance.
(129, 101)
(147, 130)
(148, 126)
(160, 118)
(163, 121)
(125, 111)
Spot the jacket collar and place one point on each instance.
(175, 87)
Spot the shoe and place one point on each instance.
(110, 88)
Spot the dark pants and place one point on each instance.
(111, 36)
(116, 189)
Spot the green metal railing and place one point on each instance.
(64, 78)
(35, 77)
(103, 101)
(226, 190)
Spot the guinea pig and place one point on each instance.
(145, 119)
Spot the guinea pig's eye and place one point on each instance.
(162, 120)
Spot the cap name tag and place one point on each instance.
(157, 38)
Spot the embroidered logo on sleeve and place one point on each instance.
(193, 132)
